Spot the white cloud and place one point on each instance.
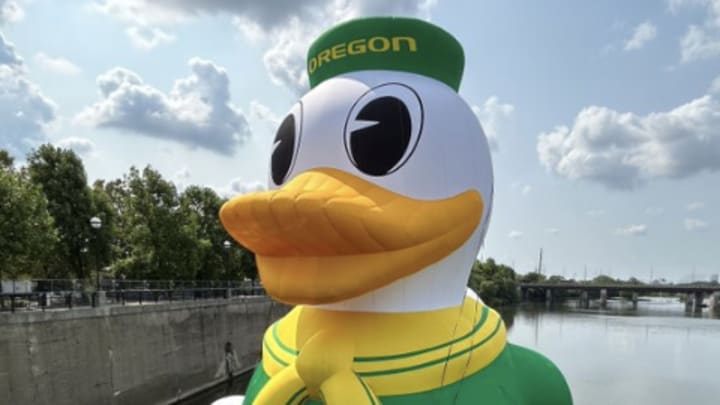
(595, 212)
(183, 174)
(715, 86)
(8, 56)
(288, 25)
(692, 224)
(261, 112)
(695, 206)
(250, 29)
(285, 60)
(142, 12)
(196, 112)
(25, 112)
(148, 38)
(515, 234)
(700, 41)
(526, 190)
(81, 146)
(10, 12)
(56, 64)
(643, 34)
(654, 211)
(239, 187)
(552, 231)
(493, 115)
(632, 230)
(625, 150)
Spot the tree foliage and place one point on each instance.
(495, 283)
(60, 174)
(27, 231)
(532, 277)
(149, 230)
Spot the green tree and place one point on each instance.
(495, 283)
(603, 279)
(634, 281)
(160, 241)
(532, 277)
(6, 161)
(26, 228)
(61, 176)
(200, 207)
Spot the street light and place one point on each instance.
(96, 224)
(226, 245)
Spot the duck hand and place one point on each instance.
(325, 364)
(285, 387)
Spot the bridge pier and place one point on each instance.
(698, 302)
(714, 303)
(548, 297)
(694, 302)
(584, 301)
(603, 298)
(635, 300)
(522, 293)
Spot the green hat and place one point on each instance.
(386, 43)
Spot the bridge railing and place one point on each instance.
(47, 294)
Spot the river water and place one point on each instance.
(656, 354)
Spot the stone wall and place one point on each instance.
(126, 355)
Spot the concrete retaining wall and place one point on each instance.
(126, 355)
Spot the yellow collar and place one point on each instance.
(399, 353)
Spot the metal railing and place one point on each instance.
(45, 294)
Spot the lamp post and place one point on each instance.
(226, 247)
(96, 224)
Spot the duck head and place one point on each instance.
(380, 185)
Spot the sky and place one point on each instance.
(603, 117)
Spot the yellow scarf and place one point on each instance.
(353, 358)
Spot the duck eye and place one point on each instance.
(285, 147)
(383, 129)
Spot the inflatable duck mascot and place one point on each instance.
(381, 189)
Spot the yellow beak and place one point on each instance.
(327, 235)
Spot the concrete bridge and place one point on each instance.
(694, 302)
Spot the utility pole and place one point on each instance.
(539, 268)
(586, 272)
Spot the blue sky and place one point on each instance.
(605, 116)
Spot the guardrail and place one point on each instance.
(58, 294)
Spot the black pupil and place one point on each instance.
(283, 150)
(378, 148)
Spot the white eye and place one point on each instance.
(285, 145)
(383, 128)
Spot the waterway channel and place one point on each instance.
(657, 354)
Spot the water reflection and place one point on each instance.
(655, 354)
